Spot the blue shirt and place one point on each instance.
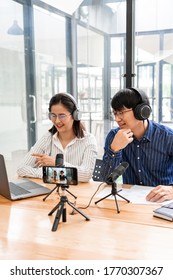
(150, 158)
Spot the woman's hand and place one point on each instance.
(44, 160)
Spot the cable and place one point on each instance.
(90, 199)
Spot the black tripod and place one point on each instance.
(114, 192)
(62, 209)
(57, 187)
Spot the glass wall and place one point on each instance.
(50, 61)
(13, 124)
(90, 53)
(154, 55)
(117, 63)
(100, 62)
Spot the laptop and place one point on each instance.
(18, 189)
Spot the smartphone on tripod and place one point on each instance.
(60, 175)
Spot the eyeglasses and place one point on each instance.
(61, 117)
(120, 114)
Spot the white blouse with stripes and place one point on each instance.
(80, 153)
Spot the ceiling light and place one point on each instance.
(15, 29)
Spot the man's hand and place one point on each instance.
(44, 160)
(122, 139)
(160, 194)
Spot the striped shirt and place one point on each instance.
(80, 153)
(150, 158)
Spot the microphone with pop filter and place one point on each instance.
(118, 171)
(59, 161)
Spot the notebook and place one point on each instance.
(20, 188)
(164, 212)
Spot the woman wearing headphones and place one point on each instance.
(68, 137)
(147, 146)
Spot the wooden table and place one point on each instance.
(26, 230)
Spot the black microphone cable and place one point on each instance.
(85, 207)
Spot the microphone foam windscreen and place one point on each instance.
(59, 161)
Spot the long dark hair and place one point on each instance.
(62, 98)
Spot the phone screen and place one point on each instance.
(60, 175)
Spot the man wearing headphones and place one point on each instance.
(67, 136)
(147, 146)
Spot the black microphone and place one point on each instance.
(118, 171)
(59, 161)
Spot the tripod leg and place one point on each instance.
(71, 193)
(49, 193)
(123, 197)
(64, 216)
(116, 202)
(53, 210)
(58, 216)
(87, 218)
(103, 198)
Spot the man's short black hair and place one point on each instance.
(128, 98)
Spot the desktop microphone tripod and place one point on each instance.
(62, 209)
(57, 187)
(114, 192)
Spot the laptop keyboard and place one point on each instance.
(29, 185)
(16, 190)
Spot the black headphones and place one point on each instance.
(143, 110)
(76, 113)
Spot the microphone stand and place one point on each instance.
(61, 212)
(115, 193)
